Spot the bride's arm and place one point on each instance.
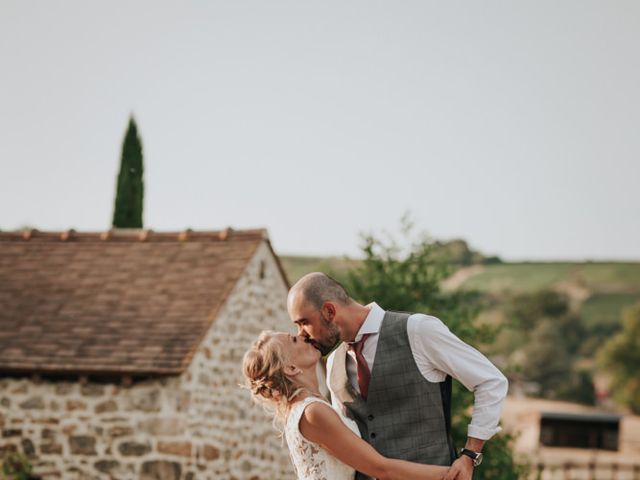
(321, 425)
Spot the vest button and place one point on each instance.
(373, 434)
(370, 417)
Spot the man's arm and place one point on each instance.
(439, 353)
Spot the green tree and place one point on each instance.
(546, 359)
(15, 466)
(130, 186)
(406, 276)
(620, 356)
(545, 341)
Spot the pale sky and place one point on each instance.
(512, 124)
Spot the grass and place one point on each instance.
(604, 310)
(522, 277)
(518, 277)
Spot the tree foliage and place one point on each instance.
(621, 357)
(130, 185)
(15, 466)
(404, 275)
(547, 340)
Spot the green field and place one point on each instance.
(521, 277)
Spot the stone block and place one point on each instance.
(184, 401)
(82, 445)
(134, 449)
(7, 448)
(11, 432)
(120, 431)
(46, 421)
(162, 426)
(92, 390)
(48, 433)
(76, 405)
(108, 406)
(147, 401)
(33, 403)
(160, 470)
(20, 389)
(69, 429)
(64, 388)
(105, 466)
(51, 448)
(182, 449)
(5, 402)
(209, 452)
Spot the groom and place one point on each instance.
(392, 375)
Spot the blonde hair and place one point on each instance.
(263, 368)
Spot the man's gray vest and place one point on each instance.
(405, 416)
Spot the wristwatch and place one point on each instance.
(475, 456)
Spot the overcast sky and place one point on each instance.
(512, 124)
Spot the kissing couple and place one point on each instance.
(389, 376)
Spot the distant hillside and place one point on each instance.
(599, 291)
(456, 253)
(605, 277)
(580, 278)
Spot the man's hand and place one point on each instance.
(462, 469)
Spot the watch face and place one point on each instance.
(478, 460)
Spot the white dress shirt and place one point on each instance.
(438, 353)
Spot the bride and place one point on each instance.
(280, 370)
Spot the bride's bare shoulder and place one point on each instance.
(318, 412)
(319, 422)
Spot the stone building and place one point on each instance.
(568, 440)
(120, 353)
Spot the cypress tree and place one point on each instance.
(130, 186)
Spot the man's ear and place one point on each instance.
(329, 311)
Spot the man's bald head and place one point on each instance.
(317, 288)
(323, 311)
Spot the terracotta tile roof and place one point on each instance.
(117, 302)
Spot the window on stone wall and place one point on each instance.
(263, 268)
(592, 431)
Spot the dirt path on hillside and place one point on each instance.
(457, 279)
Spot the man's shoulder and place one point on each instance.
(426, 323)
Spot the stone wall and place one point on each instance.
(199, 425)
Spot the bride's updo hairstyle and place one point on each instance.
(263, 368)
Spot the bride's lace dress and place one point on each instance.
(311, 461)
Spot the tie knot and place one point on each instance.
(359, 345)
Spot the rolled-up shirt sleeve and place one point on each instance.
(439, 353)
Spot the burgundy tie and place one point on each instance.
(364, 375)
